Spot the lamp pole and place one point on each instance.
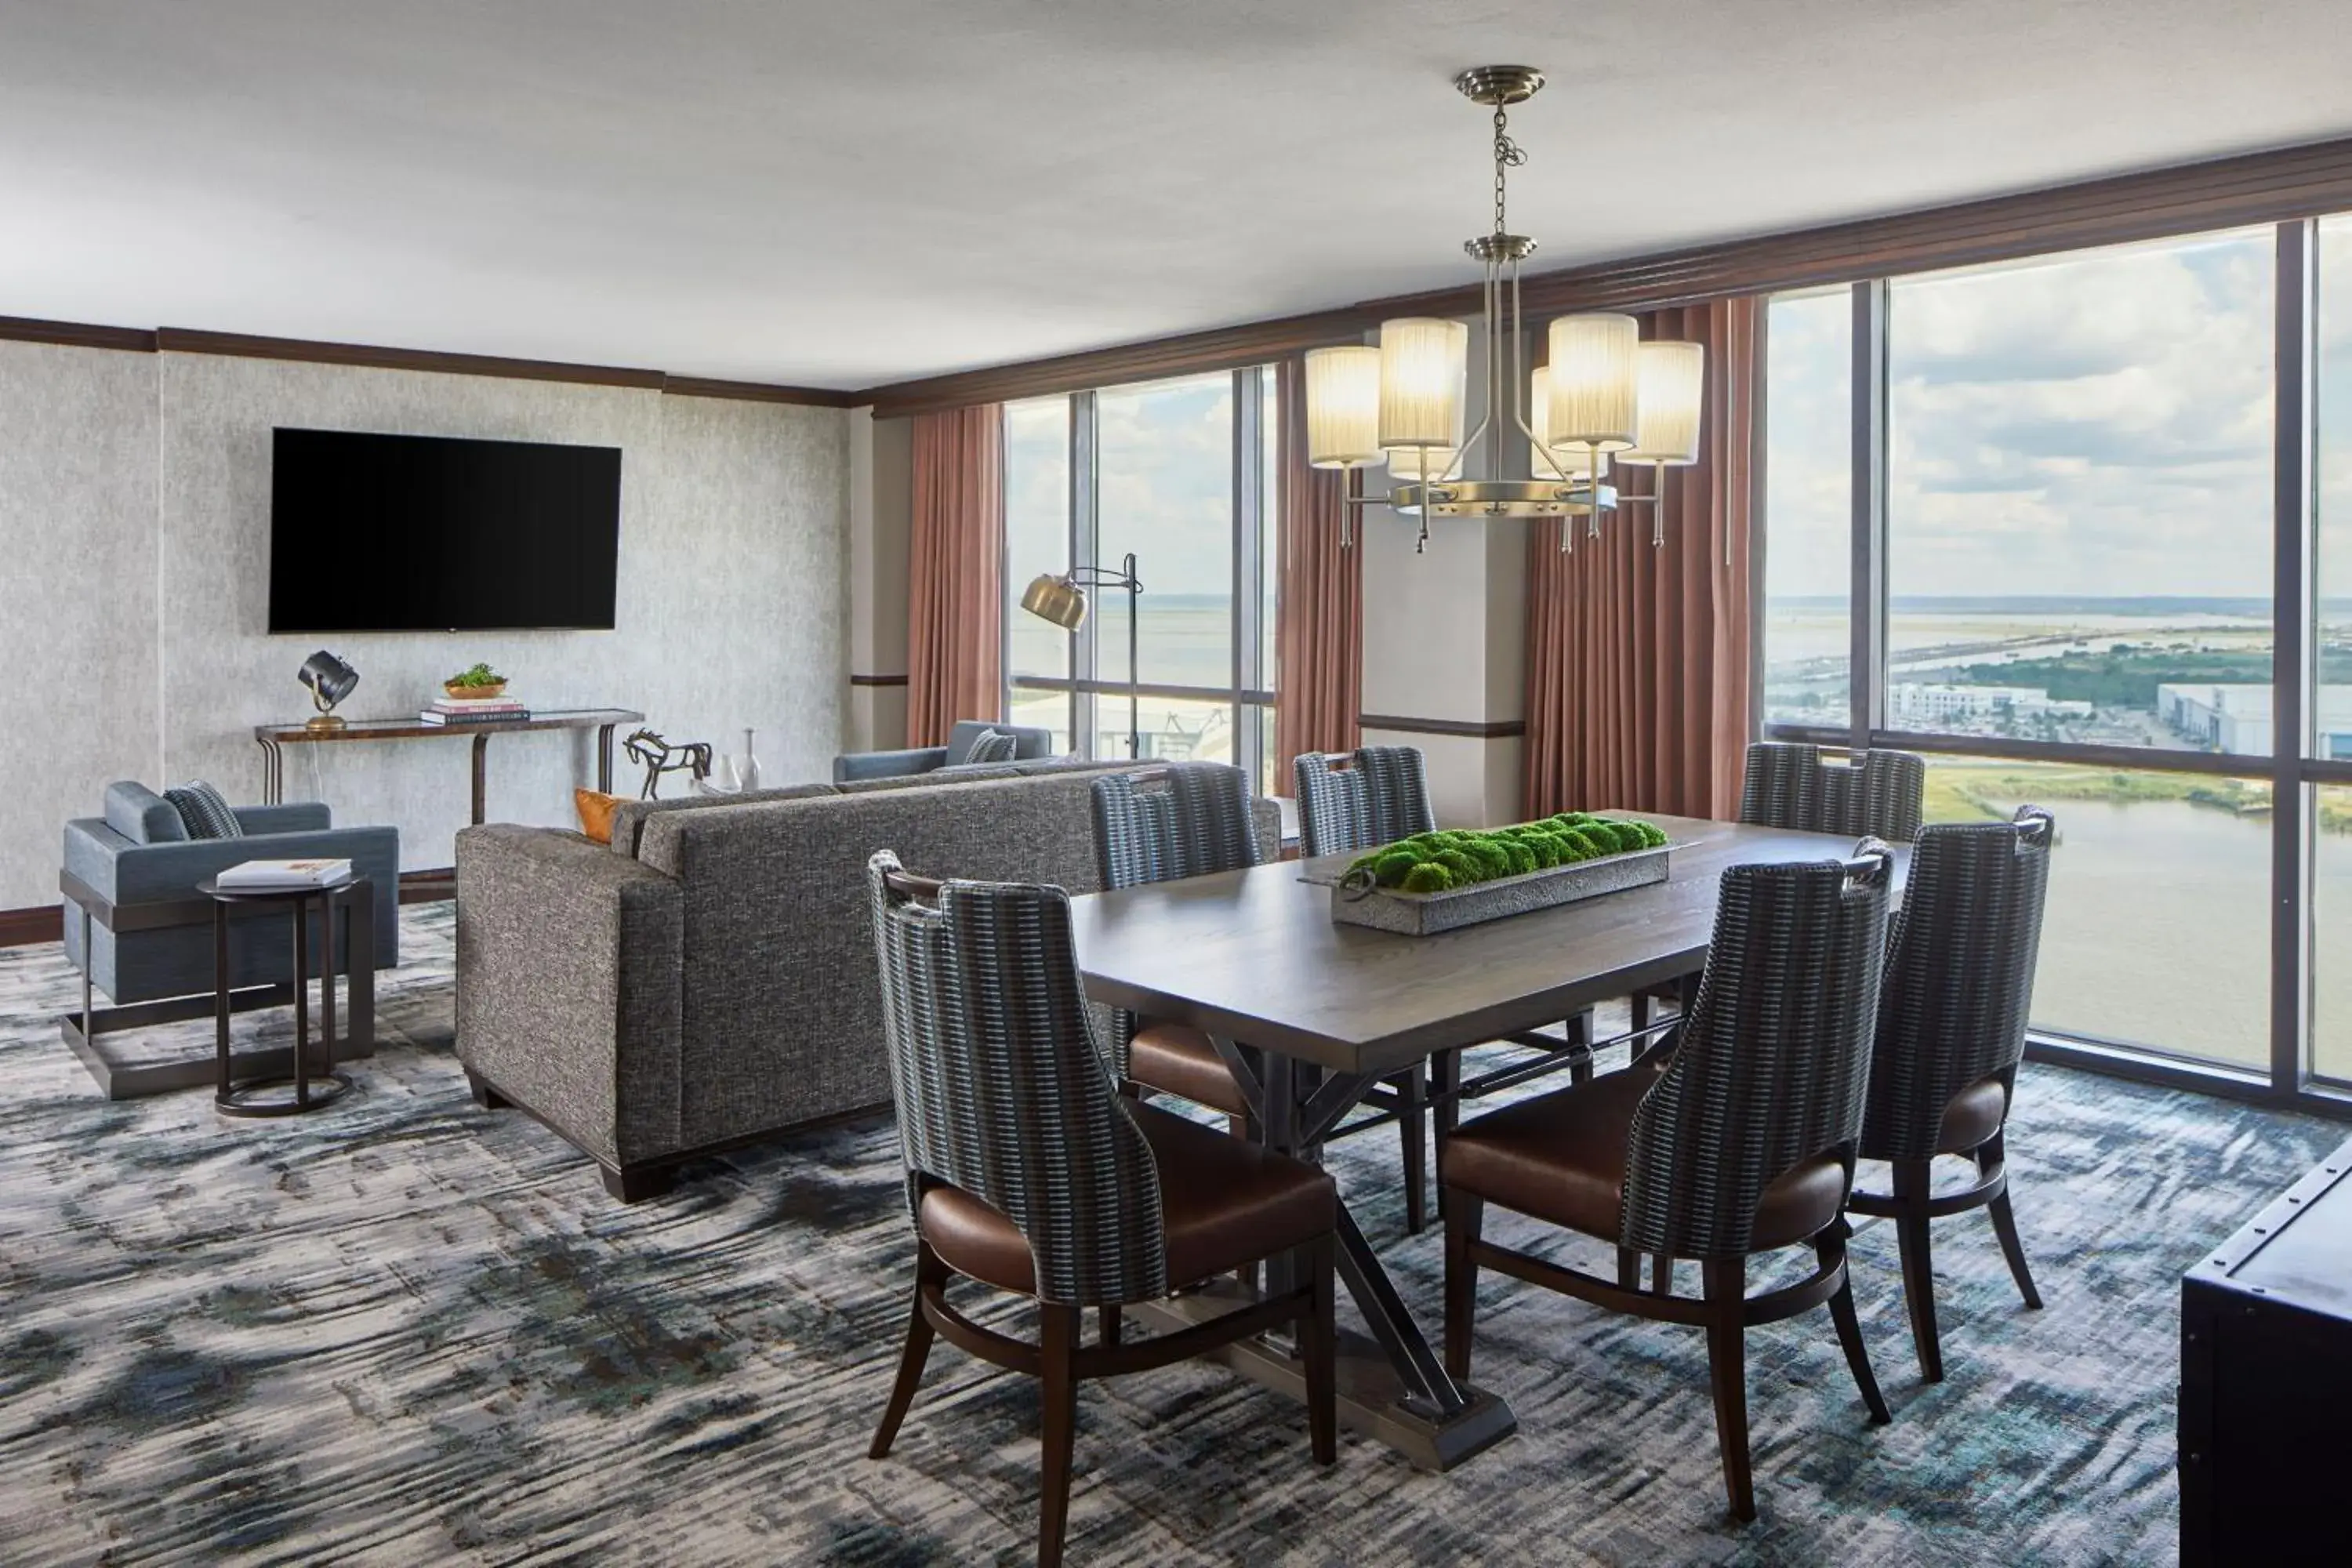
(1062, 601)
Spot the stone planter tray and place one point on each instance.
(1427, 914)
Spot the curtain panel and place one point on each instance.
(1318, 596)
(1640, 689)
(955, 591)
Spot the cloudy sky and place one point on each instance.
(2097, 425)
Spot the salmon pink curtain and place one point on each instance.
(1320, 606)
(1639, 685)
(955, 590)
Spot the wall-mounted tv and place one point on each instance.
(417, 533)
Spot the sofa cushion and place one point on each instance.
(203, 811)
(142, 815)
(990, 746)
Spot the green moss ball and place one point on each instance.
(1391, 869)
(1581, 844)
(1429, 876)
(1545, 849)
(1522, 858)
(1652, 836)
(1458, 862)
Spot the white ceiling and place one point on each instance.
(841, 193)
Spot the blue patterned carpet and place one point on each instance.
(408, 1331)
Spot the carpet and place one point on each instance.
(407, 1330)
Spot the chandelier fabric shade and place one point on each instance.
(1424, 365)
(1343, 407)
(1595, 385)
(1673, 379)
(1412, 465)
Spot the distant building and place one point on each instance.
(2238, 718)
(1916, 703)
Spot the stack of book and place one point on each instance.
(263, 876)
(475, 711)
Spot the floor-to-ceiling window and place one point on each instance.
(2058, 500)
(1177, 475)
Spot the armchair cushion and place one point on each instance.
(203, 811)
(142, 815)
(990, 746)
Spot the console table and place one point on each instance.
(273, 738)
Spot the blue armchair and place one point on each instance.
(137, 929)
(1028, 745)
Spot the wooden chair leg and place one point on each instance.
(1413, 1129)
(1109, 1314)
(1911, 1185)
(1661, 1275)
(1640, 1010)
(1318, 1344)
(1464, 1216)
(1830, 1247)
(929, 1270)
(2004, 1225)
(1580, 1033)
(1629, 1269)
(1726, 1365)
(1058, 1341)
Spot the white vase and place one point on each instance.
(747, 766)
(722, 776)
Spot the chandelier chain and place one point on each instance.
(1508, 154)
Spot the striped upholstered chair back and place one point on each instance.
(1773, 1061)
(1879, 794)
(1959, 975)
(1350, 801)
(999, 1089)
(1191, 821)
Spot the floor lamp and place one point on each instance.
(1063, 600)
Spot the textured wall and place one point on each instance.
(78, 651)
(732, 609)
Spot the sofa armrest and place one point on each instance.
(888, 764)
(569, 960)
(294, 816)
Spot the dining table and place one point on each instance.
(1311, 1014)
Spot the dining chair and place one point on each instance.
(1350, 802)
(1951, 1030)
(1026, 1172)
(1740, 1141)
(1786, 784)
(1192, 823)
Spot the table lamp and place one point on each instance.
(330, 681)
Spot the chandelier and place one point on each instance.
(1603, 394)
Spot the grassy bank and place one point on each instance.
(1970, 792)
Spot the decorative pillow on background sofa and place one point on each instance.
(596, 813)
(203, 811)
(990, 746)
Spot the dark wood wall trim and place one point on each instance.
(42, 922)
(1467, 728)
(76, 335)
(877, 680)
(2259, 187)
(303, 351)
(758, 392)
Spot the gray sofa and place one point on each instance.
(138, 853)
(1029, 745)
(709, 980)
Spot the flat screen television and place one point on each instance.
(417, 533)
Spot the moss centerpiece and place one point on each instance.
(1441, 861)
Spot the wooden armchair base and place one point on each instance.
(1063, 1362)
(1723, 1308)
(1914, 1204)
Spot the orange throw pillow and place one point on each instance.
(596, 813)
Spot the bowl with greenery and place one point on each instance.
(1455, 876)
(480, 682)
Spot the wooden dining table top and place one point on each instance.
(1254, 954)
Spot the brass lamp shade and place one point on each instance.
(1056, 599)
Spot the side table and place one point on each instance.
(311, 1090)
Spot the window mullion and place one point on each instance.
(2293, 608)
(1868, 629)
(1084, 537)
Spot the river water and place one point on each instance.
(2158, 933)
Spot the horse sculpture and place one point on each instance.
(660, 757)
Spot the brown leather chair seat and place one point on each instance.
(1223, 1204)
(1974, 1115)
(1178, 1060)
(1562, 1157)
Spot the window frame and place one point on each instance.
(2292, 774)
(1249, 692)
